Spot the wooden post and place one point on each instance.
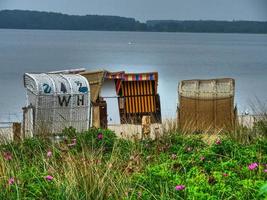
(146, 127)
(17, 132)
(96, 116)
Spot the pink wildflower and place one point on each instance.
(97, 161)
(218, 142)
(189, 149)
(179, 187)
(49, 153)
(100, 136)
(202, 158)
(265, 170)
(253, 166)
(225, 174)
(74, 142)
(174, 156)
(11, 181)
(8, 156)
(49, 178)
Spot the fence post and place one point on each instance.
(17, 132)
(146, 127)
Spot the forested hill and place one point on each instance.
(19, 19)
(208, 26)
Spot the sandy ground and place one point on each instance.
(134, 132)
(130, 131)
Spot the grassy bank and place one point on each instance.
(97, 165)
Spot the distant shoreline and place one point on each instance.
(37, 20)
(20, 29)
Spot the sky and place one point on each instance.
(144, 10)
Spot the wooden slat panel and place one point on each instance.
(132, 93)
(224, 117)
(148, 97)
(122, 90)
(205, 115)
(139, 98)
(130, 99)
(142, 98)
(154, 100)
(151, 97)
(145, 97)
(135, 98)
(188, 111)
(140, 93)
(127, 99)
(125, 94)
(134, 101)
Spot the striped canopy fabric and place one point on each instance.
(121, 76)
(141, 77)
(151, 76)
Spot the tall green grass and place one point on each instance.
(98, 165)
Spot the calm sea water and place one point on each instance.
(176, 56)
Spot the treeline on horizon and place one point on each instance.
(21, 19)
